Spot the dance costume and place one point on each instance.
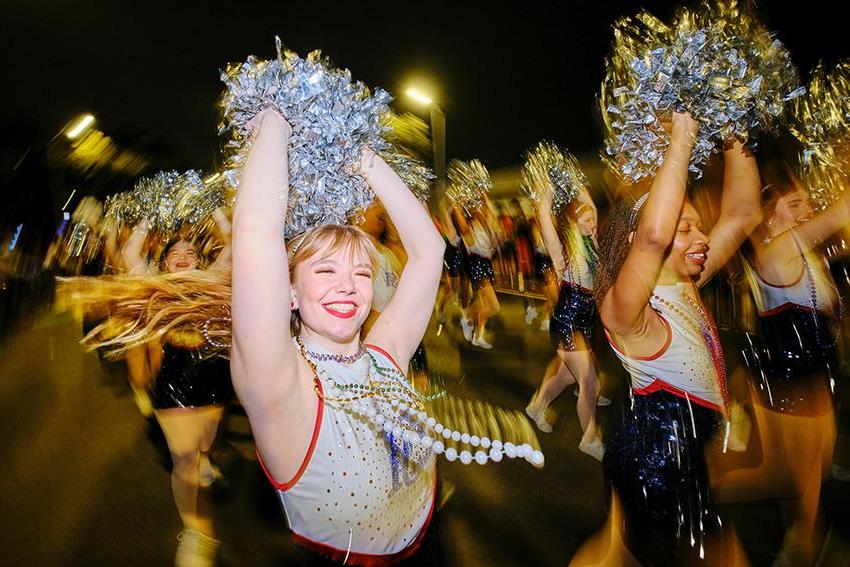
(355, 494)
(795, 364)
(480, 258)
(576, 308)
(188, 377)
(453, 258)
(656, 459)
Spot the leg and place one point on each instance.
(580, 363)
(555, 381)
(488, 307)
(187, 432)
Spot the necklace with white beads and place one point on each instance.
(393, 408)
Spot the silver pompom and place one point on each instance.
(820, 120)
(333, 119)
(469, 183)
(548, 167)
(718, 63)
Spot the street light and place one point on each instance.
(438, 132)
(80, 126)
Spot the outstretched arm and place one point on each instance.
(624, 307)
(549, 232)
(809, 234)
(400, 327)
(740, 208)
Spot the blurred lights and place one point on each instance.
(419, 96)
(81, 125)
(16, 236)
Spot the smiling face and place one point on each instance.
(181, 256)
(586, 220)
(332, 291)
(689, 250)
(791, 209)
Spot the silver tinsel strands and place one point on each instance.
(333, 119)
(469, 183)
(168, 199)
(717, 63)
(416, 175)
(820, 121)
(547, 166)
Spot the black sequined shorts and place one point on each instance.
(480, 271)
(543, 267)
(573, 314)
(453, 260)
(793, 363)
(656, 463)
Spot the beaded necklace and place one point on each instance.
(705, 327)
(395, 409)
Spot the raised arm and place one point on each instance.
(740, 208)
(263, 360)
(223, 260)
(400, 327)
(625, 305)
(550, 234)
(131, 253)
(809, 234)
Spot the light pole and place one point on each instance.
(438, 134)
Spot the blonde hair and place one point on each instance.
(323, 241)
(139, 309)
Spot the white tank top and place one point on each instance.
(691, 363)
(813, 289)
(354, 495)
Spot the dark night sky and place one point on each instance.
(507, 76)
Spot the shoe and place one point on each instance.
(195, 549)
(594, 448)
(601, 401)
(539, 419)
(480, 342)
(209, 474)
(544, 325)
(530, 314)
(467, 327)
(840, 473)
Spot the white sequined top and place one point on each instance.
(354, 496)
(813, 289)
(684, 366)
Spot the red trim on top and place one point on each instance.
(367, 559)
(790, 305)
(284, 486)
(386, 354)
(795, 282)
(660, 385)
(653, 356)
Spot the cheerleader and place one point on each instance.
(654, 258)
(300, 365)
(796, 365)
(572, 318)
(189, 393)
(454, 261)
(481, 247)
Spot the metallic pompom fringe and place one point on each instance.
(469, 183)
(820, 121)
(718, 63)
(547, 166)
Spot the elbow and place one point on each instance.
(658, 240)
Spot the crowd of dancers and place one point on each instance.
(324, 335)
